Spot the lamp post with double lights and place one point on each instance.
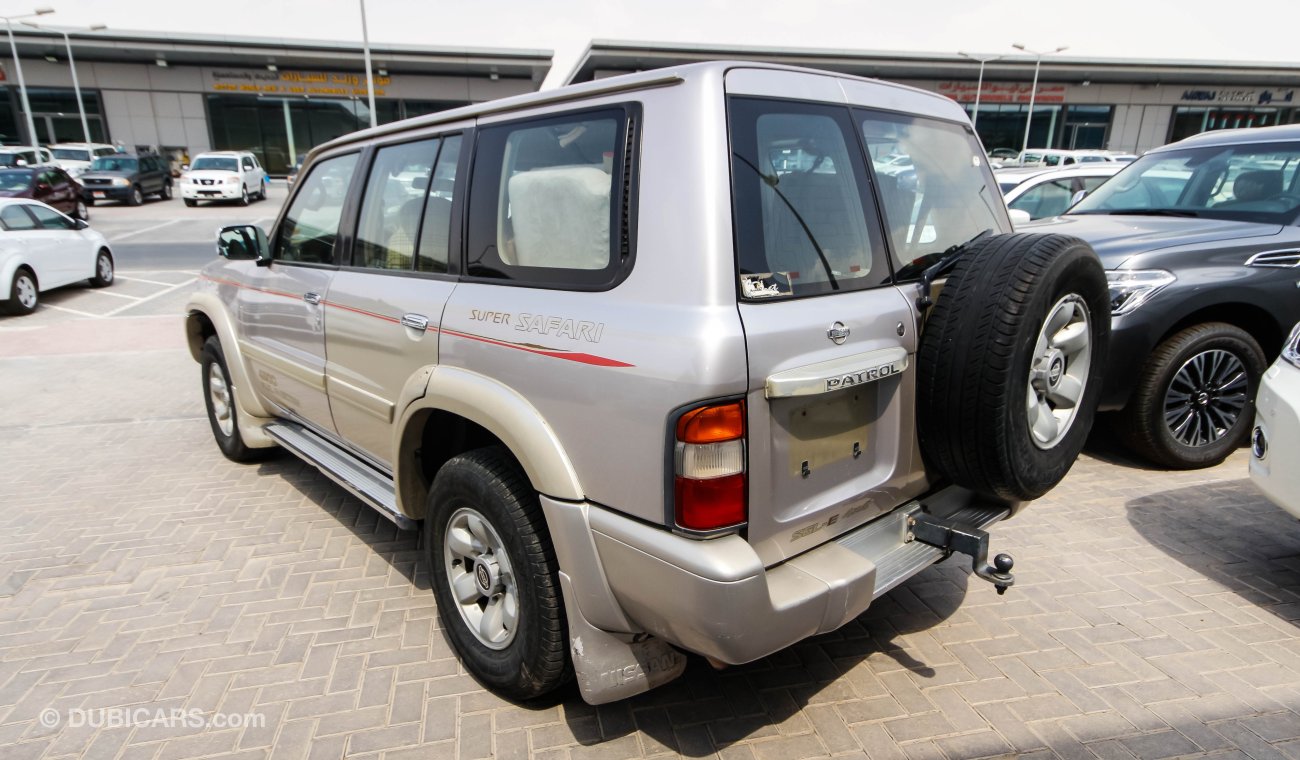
(18, 67)
(72, 64)
(1029, 117)
(979, 87)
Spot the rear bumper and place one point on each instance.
(1277, 419)
(716, 599)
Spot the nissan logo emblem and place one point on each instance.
(838, 333)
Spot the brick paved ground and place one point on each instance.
(1155, 614)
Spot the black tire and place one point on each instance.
(136, 197)
(977, 351)
(1142, 426)
(80, 211)
(243, 195)
(89, 202)
(191, 202)
(261, 194)
(25, 282)
(489, 482)
(230, 442)
(166, 192)
(104, 273)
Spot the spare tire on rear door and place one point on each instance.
(1010, 361)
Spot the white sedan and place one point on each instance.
(41, 249)
(1274, 462)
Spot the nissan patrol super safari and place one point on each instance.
(660, 363)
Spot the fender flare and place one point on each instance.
(498, 409)
(250, 414)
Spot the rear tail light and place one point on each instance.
(710, 484)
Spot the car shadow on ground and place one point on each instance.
(706, 710)
(1228, 532)
(1104, 444)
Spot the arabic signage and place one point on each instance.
(338, 84)
(1239, 97)
(999, 92)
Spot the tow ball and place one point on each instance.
(955, 537)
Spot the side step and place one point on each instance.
(359, 478)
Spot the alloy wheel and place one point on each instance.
(1058, 371)
(481, 578)
(1206, 397)
(219, 393)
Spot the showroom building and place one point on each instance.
(180, 95)
(1129, 105)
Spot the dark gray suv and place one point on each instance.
(127, 178)
(1202, 249)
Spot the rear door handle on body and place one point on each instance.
(311, 298)
(415, 321)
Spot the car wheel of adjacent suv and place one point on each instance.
(166, 192)
(191, 202)
(243, 196)
(24, 293)
(219, 398)
(81, 212)
(1010, 362)
(494, 576)
(103, 269)
(136, 197)
(1195, 399)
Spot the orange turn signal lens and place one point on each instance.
(712, 424)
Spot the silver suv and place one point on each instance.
(661, 362)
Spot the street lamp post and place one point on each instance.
(18, 67)
(979, 87)
(1033, 91)
(370, 77)
(72, 64)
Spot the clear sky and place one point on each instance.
(1247, 30)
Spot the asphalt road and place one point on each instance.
(165, 235)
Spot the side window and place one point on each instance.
(248, 163)
(1048, 199)
(799, 183)
(311, 225)
(15, 218)
(393, 205)
(50, 219)
(435, 230)
(947, 198)
(546, 205)
(105, 151)
(1092, 183)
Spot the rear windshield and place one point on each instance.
(15, 180)
(216, 162)
(1251, 182)
(71, 154)
(114, 164)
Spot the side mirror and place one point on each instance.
(1018, 216)
(244, 242)
(185, 167)
(81, 224)
(20, 162)
(1078, 197)
(419, 183)
(42, 187)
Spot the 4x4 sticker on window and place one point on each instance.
(765, 285)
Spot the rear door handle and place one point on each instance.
(311, 298)
(415, 321)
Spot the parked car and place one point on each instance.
(1275, 441)
(642, 405)
(224, 176)
(18, 155)
(42, 249)
(1201, 244)
(1047, 157)
(1042, 192)
(75, 158)
(47, 184)
(127, 178)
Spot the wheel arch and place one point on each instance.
(205, 317)
(1255, 320)
(460, 411)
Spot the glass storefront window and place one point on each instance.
(1193, 120)
(1072, 127)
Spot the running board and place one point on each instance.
(904, 555)
(359, 478)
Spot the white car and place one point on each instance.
(1045, 192)
(224, 176)
(41, 249)
(75, 158)
(21, 155)
(1274, 462)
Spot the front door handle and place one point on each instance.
(311, 298)
(415, 321)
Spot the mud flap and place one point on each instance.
(614, 666)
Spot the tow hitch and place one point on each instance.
(955, 537)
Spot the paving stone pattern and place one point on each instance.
(1154, 615)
